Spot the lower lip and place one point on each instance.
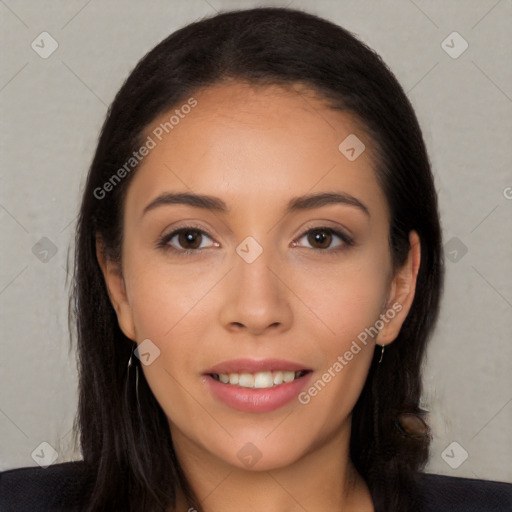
(256, 400)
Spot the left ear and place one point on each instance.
(401, 293)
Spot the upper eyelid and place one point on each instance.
(311, 226)
(314, 224)
(176, 231)
(344, 237)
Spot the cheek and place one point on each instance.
(346, 297)
(163, 297)
(172, 306)
(349, 301)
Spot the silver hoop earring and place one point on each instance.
(381, 354)
(131, 363)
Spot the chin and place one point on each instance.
(258, 454)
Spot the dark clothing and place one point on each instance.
(66, 486)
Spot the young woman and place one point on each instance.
(258, 269)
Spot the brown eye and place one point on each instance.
(186, 240)
(190, 239)
(324, 239)
(320, 238)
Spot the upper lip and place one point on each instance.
(255, 365)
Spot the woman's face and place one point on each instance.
(265, 284)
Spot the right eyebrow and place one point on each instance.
(196, 200)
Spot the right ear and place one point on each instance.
(116, 288)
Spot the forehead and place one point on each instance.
(254, 145)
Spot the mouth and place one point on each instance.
(259, 380)
(256, 385)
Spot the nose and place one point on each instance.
(256, 300)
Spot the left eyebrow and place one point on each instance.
(311, 201)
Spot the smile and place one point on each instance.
(256, 385)
(259, 380)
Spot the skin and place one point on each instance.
(255, 148)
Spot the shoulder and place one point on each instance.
(455, 494)
(58, 487)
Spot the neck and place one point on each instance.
(322, 479)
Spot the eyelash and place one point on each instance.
(163, 242)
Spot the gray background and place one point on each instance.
(51, 113)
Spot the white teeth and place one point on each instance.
(278, 378)
(288, 376)
(246, 380)
(263, 380)
(259, 380)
